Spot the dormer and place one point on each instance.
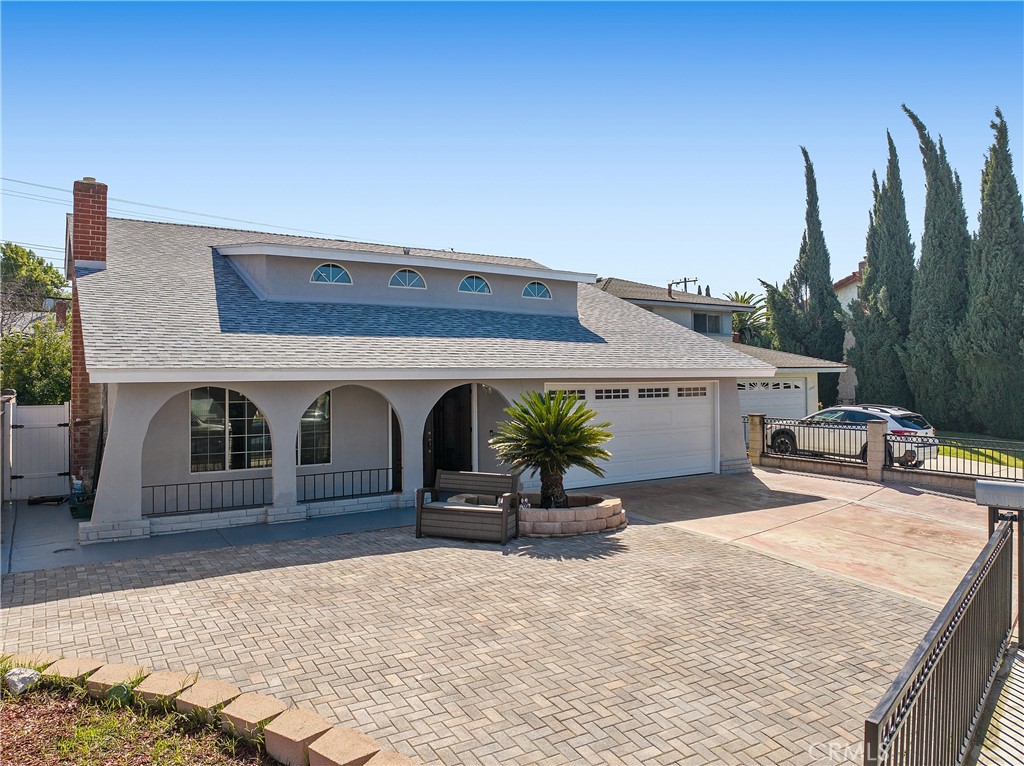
(403, 277)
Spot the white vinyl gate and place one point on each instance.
(40, 451)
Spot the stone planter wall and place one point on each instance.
(587, 514)
(291, 736)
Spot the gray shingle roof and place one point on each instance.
(166, 300)
(638, 291)
(783, 359)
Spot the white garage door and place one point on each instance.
(660, 430)
(773, 397)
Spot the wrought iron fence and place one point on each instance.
(984, 458)
(746, 431)
(340, 484)
(203, 496)
(821, 440)
(929, 715)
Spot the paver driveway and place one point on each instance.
(653, 645)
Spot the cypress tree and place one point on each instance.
(989, 345)
(939, 299)
(880, 317)
(805, 312)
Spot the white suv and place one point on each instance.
(842, 432)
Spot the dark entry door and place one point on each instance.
(447, 437)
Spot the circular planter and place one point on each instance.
(585, 515)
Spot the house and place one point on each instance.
(237, 377)
(701, 313)
(846, 290)
(791, 393)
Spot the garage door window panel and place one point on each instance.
(602, 394)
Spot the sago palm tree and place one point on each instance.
(754, 327)
(551, 433)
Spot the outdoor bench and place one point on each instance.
(486, 506)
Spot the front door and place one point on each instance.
(448, 435)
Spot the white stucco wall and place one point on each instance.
(287, 279)
(491, 411)
(360, 424)
(683, 315)
(148, 439)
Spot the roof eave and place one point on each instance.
(424, 261)
(730, 307)
(207, 375)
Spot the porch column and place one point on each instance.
(283, 409)
(117, 510)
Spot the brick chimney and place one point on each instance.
(89, 227)
(88, 253)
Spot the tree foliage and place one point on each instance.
(987, 347)
(939, 296)
(37, 363)
(550, 433)
(27, 280)
(805, 311)
(880, 317)
(752, 326)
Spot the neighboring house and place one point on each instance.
(791, 393)
(262, 377)
(701, 313)
(18, 320)
(846, 290)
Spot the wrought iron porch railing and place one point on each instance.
(204, 496)
(342, 484)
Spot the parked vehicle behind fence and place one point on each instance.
(842, 432)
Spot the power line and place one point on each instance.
(38, 247)
(178, 210)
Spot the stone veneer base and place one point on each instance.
(103, 532)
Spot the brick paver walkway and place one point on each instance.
(649, 646)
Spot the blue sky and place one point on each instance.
(650, 142)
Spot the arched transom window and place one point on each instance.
(474, 284)
(537, 290)
(331, 273)
(407, 278)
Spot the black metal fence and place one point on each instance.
(202, 496)
(983, 458)
(341, 484)
(821, 440)
(929, 715)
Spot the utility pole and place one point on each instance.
(684, 282)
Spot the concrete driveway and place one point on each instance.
(911, 541)
(675, 641)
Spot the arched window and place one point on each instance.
(314, 446)
(228, 432)
(474, 284)
(407, 278)
(331, 273)
(537, 290)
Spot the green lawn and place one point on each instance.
(1001, 452)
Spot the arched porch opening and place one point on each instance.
(207, 448)
(349, 444)
(458, 428)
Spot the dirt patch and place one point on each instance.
(48, 727)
